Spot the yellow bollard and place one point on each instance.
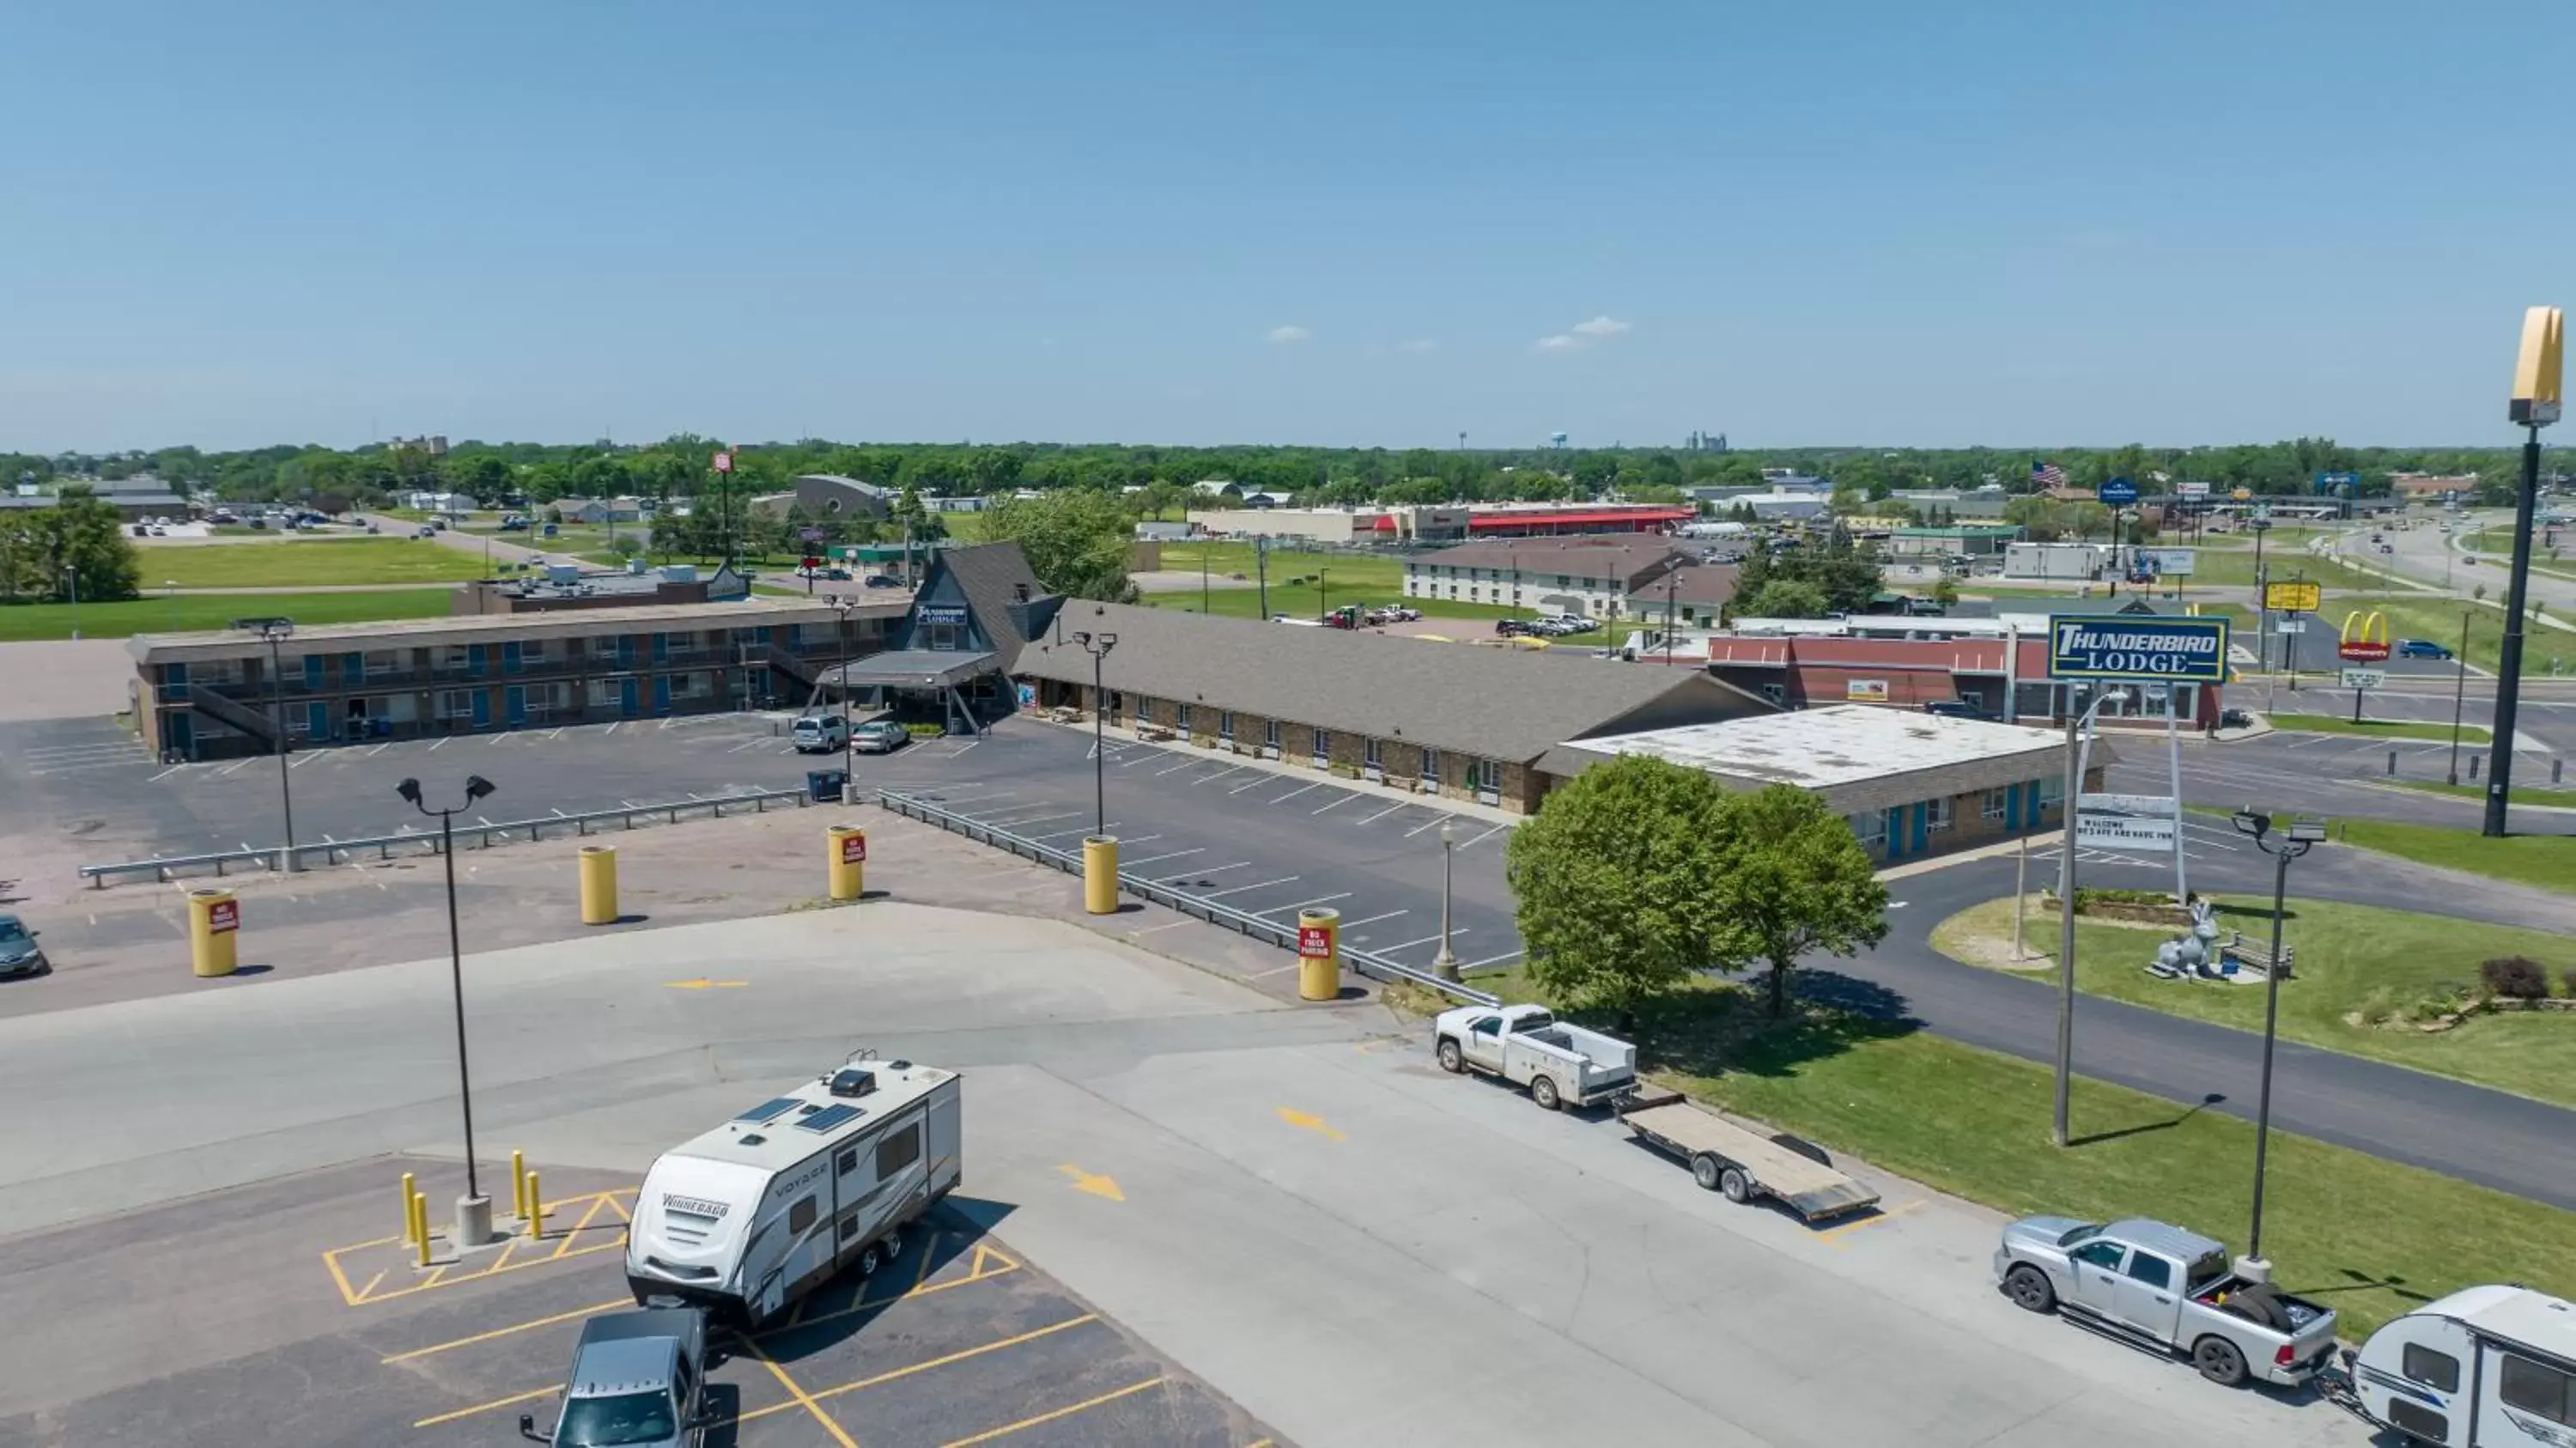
(846, 851)
(518, 1183)
(214, 919)
(1100, 874)
(1319, 955)
(420, 1226)
(536, 1210)
(409, 1191)
(599, 884)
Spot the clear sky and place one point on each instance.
(2016, 222)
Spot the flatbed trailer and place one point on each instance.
(1741, 1163)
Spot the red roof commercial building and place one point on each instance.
(1812, 672)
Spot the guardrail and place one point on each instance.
(332, 852)
(1368, 963)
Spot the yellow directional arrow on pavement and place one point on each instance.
(1304, 1122)
(1092, 1182)
(702, 983)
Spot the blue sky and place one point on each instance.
(2011, 223)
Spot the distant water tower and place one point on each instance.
(1556, 440)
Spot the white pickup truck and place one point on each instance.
(1528, 1047)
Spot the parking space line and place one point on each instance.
(996, 822)
(513, 1400)
(1487, 835)
(165, 774)
(1390, 809)
(1076, 830)
(499, 1332)
(803, 1398)
(447, 1274)
(1177, 768)
(1065, 1412)
(895, 1374)
(1432, 823)
(229, 768)
(976, 1271)
(1220, 774)
(1239, 889)
(1426, 940)
(1292, 794)
(1300, 905)
(1372, 920)
(1346, 798)
(1174, 855)
(1210, 870)
(1489, 960)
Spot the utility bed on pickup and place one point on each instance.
(1742, 1163)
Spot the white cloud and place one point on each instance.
(1601, 327)
(1582, 335)
(1418, 344)
(1561, 342)
(1289, 333)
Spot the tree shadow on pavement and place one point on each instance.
(1722, 1026)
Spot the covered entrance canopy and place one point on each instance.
(927, 674)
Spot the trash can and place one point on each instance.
(825, 785)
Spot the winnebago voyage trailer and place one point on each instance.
(764, 1208)
(2481, 1368)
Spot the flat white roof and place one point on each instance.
(1858, 756)
(772, 1135)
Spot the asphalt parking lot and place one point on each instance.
(1241, 833)
(307, 1324)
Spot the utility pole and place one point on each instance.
(2459, 694)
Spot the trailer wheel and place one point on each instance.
(2218, 1361)
(1543, 1091)
(870, 1259)
(2028, 1287)
(1450, 1060)
(1736, 1186)
(1704, 1171)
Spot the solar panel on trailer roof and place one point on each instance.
(767, 1111)
(830, 1117)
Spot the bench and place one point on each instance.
(1065, 714)
(2258, 958)
(1157, 732)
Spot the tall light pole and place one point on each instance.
(474, 1212)
(2301, 836)
(1446, 963)
(2459, 694)
(2078, 756)
(842, 603)
(277, 631)
(71, 579)
(2535, 405)
(1098, 646)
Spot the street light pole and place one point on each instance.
(2302, 835)
(1446, 964)
(2076, 761)
(2535, 405)
(2459, 695)
(841, 604)
(1098, 646)
(276, 631)
(476, 787)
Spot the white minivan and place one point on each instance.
(820, 734)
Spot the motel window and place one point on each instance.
(1323, 745)
(384, 661)
(1870, 827)
(1937, 812)
(2052, 792)
(1993, 808)
(452, 659)
(1225, 725)
(1270, 734)
(1430, 766)
(1181, 717)
(1487, 775)
(455, 703)
(1369, 755)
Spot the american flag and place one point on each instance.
(2046, 474)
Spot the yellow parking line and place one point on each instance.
(516, 1398)
(422, 1352)
(348, 1294)
(803, 1398)
(1066, 1412)
(371, 1284)
(976, 1272)
(938, 1362)
(596, 1203)
(1869, 1221)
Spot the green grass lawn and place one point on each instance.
(2370, 1236)
(2545, 861)
(188, 613)
(307, 561)
(2233, 569)
(2560, 798)
(2351, 958)
(2424, 616)
(2378, 728)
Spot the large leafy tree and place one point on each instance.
(1614, 882)
(1783, 598)
(1793, 879)
(76, 544)
(1076, 542)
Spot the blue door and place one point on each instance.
(661, 694)
(626, 697)
(510, 658)
(182, 734)
(661, 648)
(317, 722)
(317, 672)
(353, 670)
(515, 704)
(482, 708)
(626, 654)
(474, 660)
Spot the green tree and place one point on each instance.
(77, 543)
(1792, 880)
(1076, 541)
(1613, 883)
(1783, 598)
(1946, 592)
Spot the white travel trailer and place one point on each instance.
(2481, 1368)
(749, 1216)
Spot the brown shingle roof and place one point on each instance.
(1627, 558)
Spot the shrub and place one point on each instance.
(2571, 985)
(2087, 896)
(2515, 977)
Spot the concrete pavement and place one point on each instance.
(1354, 1247)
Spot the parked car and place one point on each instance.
(882, 580)
(19, 953)
(372, 528)
(2169, 1288)
(1956, 709)
(879, 737)
(2422, 649)
(425, 531)
(142, 530)
(819, 733)
(637, 1378)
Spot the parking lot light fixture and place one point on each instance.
(1098, 646)
(2283, 846)
(476, 788)
(276, 631)
(1446, 965)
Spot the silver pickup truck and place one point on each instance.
(2173, 1288)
